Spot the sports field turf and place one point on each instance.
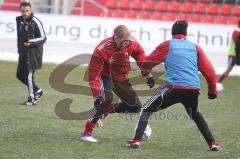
(38, 133)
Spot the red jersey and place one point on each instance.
(235, 34)
(108, 60)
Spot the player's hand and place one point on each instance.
(98, 102)
(212, 96)
(27, 44)
(150, 82)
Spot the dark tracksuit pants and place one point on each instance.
(26, 76)
(129, 100)
(166, 97)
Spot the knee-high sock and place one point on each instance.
(141, 125)
(222, 78)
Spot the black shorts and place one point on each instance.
(168, 96)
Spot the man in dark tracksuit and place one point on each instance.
(108, 72)
(30, 39)
(183, 59)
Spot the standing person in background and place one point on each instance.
(233, 56)
(30, 39)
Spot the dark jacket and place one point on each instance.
(237, 49)
(30, 30)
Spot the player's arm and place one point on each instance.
(95, 68)
(156, 57)
(39, 33)
(206, 68)
(138, 54)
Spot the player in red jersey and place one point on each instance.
(108, 72)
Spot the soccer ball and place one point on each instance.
(220, 87)
(147, 133)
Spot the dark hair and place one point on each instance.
(25, 4)
(180, 27)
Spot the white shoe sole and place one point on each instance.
(88, 139)
(31, 104)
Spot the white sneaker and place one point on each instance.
(30, 102)
(215, 147)
(38, 94)
(132, 145)
(88, 138)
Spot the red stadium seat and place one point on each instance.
(124, 4)
(174, 6)
(222, 19)
(187, 7)
(111, 4)
(208, 19)
(234, 20)
(12, 1)
(78, 4)
(131, 14)
(195, 18)
(236, 10)
(212, 8)
(107, 13)
(169, 17)
(9, 7)
(149, 5)
(225, 9)
(144, 15)
(118, 14)
(162, 6)
(200, 8)
(137, 4)
(182, 16)
(76, 12)
(157, 16)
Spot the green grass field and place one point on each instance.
(38, 133)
